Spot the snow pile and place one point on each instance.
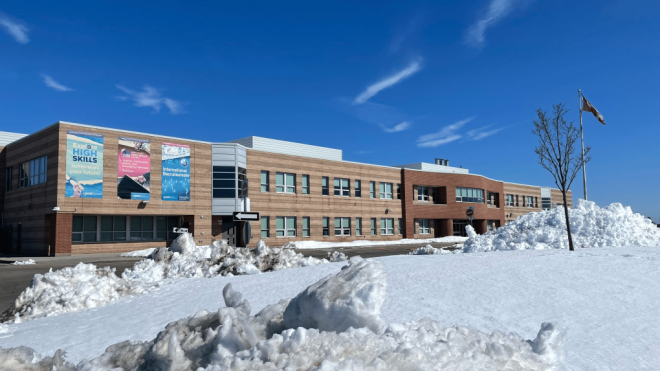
(307, 244)
(591, 226)
(429, 250)
(232, 339)
(139, 253)
(24, 262)
(86, 286)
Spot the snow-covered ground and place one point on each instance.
(24, 262)
(406, 241)
(604, 299)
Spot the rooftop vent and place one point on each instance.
(442, 162)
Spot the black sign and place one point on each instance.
(247, 233)
(245, 216)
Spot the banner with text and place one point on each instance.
(134, 169)
(84, 165)
(176, 172)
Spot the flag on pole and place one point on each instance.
(587, 107)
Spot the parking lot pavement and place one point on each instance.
(16, 278)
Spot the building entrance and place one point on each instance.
(459, 227)
(229, 231)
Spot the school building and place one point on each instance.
(75, 189)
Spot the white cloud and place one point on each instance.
(150, 97)
(400, 127)
(497, 9)
(15, 29)
(444, 136)
(387, 82)
(54, 84)
(482, 133)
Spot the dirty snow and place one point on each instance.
(429, 250)
(334, 324)
(591, 226)
(87, 286)
(139, 253)
(406, 241)
(24, 262)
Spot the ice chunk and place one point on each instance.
(24, 262)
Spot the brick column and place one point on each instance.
(480, 226)
(447, 227)
(61, 226)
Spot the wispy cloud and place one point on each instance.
(13, 27)
(374, 89)
(497, 9)
(397, 128)
(50, 82)
(445, 135)
(403, 34)
(482, 133)
(150, 97)
(363, 152)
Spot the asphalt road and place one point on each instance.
(15, 278)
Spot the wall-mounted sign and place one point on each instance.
(470, 213)
(84, 165)
(134, 169)
(176, 172)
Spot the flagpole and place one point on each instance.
(584, 165)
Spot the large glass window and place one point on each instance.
(32, 172)
(286, 226)
(546, 203)
(358, 188)
(324, 186)
(386, 226)
(305, 227)
(342, 187)
(113, 228)
(342, 226)
(422, 193)
(530, 201)
(264, 180)
(161, 227)
(265, 232)
(109, 228)
(8, 177)
(424, 226)
(286, 183)
(469, 195)
(374, 230)
(142, 228)
(358, 226)
(509, 200)
(224, 182)
(372, 189)
(386, 190)
(326, 226)
(305, 184)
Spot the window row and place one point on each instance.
(286, 226)
(464, 194)
(30, 173)
(527, 201)
(108, 228)
(227, 180)
(286, 183)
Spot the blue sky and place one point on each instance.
(387, 82)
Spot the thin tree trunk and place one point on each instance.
(568, 223)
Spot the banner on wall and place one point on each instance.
(84, 165)
(134, 169)
(176, 172)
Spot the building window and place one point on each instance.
(398, 191)
(400, 226)
(372, 189)
(305, 184)
(536, 202)
(84, 228)
(469, 195)
(342, 187)
(224, 182)
(164, 227)
(264, 181)
(424, 226)
(459, 228)
(286, 226)
(286, 183)
(386, 190)
(373, 226)
(142, 228)
(358, 188)
(342, 226)
(324, 186)
(8, 178)
(305, 227)
(509, 200)
(530, 201)
(113, 228)
(32, 172)
(265, 231)
(358, 226)
(516, 200)
(120, 228)
(386, 226)
(422, 193)
(326, 227)
(546, 203)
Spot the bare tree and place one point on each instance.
(557, 152)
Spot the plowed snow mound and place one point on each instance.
(591, 226)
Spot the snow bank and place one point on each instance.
(429, 250)
(86, 286)
(139, 253)
(24, 262)
(232, 339)
(406, 241)
(591, 226)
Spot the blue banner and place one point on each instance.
(176, 172)
(84, 165)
